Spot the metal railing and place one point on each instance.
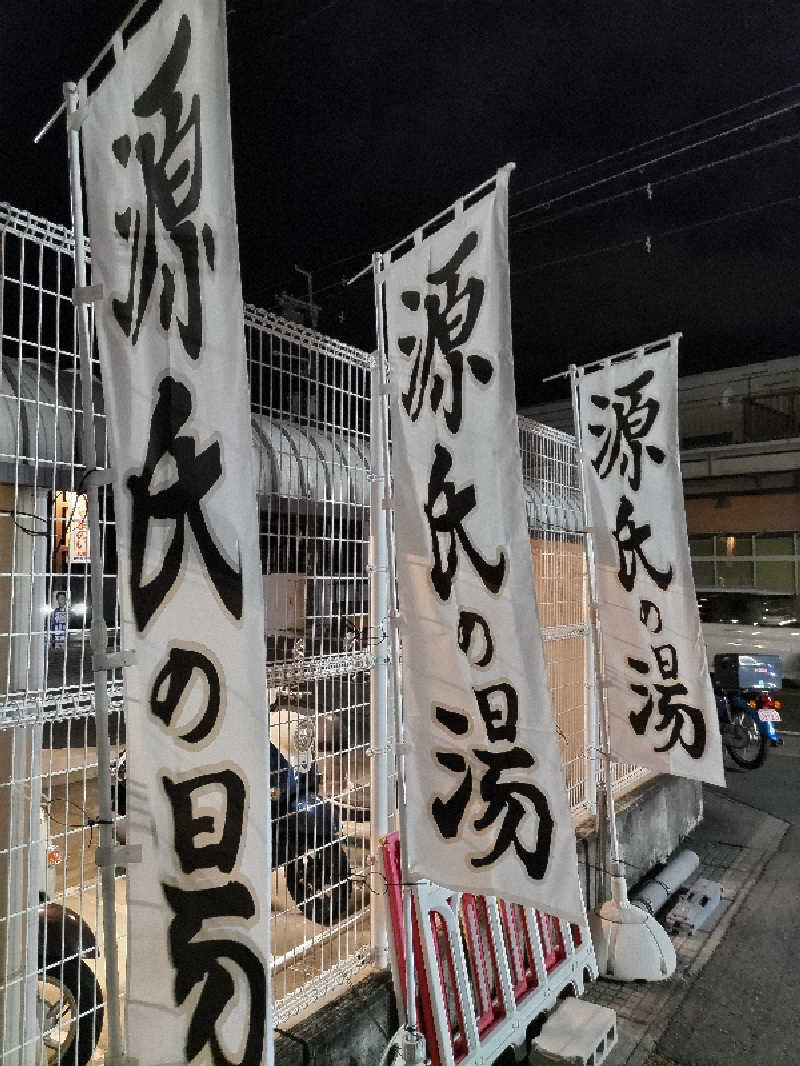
(310, 400)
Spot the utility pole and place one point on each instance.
(313, 312)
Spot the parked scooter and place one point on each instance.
(743, 687)
(305, 841)
(747, 724)
(305, 836)
(69, 1000)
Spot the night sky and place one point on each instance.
(354, 121)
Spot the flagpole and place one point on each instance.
(99, 632)
(380, 742)
(413, 1039)
(594, 633)
(654, 348)
(95, 63)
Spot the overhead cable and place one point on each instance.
(632, 169)
(654, 140)
(638, 167)
(653, 183)
(663, 235)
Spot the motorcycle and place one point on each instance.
(305, 840)
(743, 686)
(69, 999)
(305, 834)
(747, 724)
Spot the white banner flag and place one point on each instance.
(487, 806)
(660, 700)
(159, 185)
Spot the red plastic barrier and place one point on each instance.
(533, 946)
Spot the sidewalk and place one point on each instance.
(735, 843)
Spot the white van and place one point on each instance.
(741, 621)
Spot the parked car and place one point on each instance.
(744, 621)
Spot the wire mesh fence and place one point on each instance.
(311, 435)
(310, 398)
(555, 521)
(51, 981)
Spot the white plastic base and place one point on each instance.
(629, 944)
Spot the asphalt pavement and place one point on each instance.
(744, 1006)
(735, 995)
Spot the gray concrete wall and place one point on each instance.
(353, 1029)
(652, 820)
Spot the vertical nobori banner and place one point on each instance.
(660, 701)
(487, 807)
(159, 181)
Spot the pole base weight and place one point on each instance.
(629, 944)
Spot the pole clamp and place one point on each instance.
(118, 855)
(385, 750)
(386, 503)
(100, 477)
(87, 294)
(117, 660)
(76, 118)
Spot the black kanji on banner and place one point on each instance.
(622, 441)
(511, 801)
(165, 171)
(181, 502)
(449, 328)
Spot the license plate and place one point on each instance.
(767, 714)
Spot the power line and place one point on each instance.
(647, 237)
(632, 169)
(655, 140)
(638, 167)
(789, 138)
(650, 185)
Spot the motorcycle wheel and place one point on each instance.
(745, 742)
(319, 882)
(70, 1005)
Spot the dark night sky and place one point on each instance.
(356, 120)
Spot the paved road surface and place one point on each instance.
(745, 1005)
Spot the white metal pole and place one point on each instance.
(590, 690)
(379, 627)
(36, 877)
(415, 1045)
(594, 635)
(99, 630)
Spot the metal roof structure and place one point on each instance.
(40, 440)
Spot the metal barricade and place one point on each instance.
(486, 969)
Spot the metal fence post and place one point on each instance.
(14, 925)
(379, 628)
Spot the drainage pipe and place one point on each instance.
(654, 893)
